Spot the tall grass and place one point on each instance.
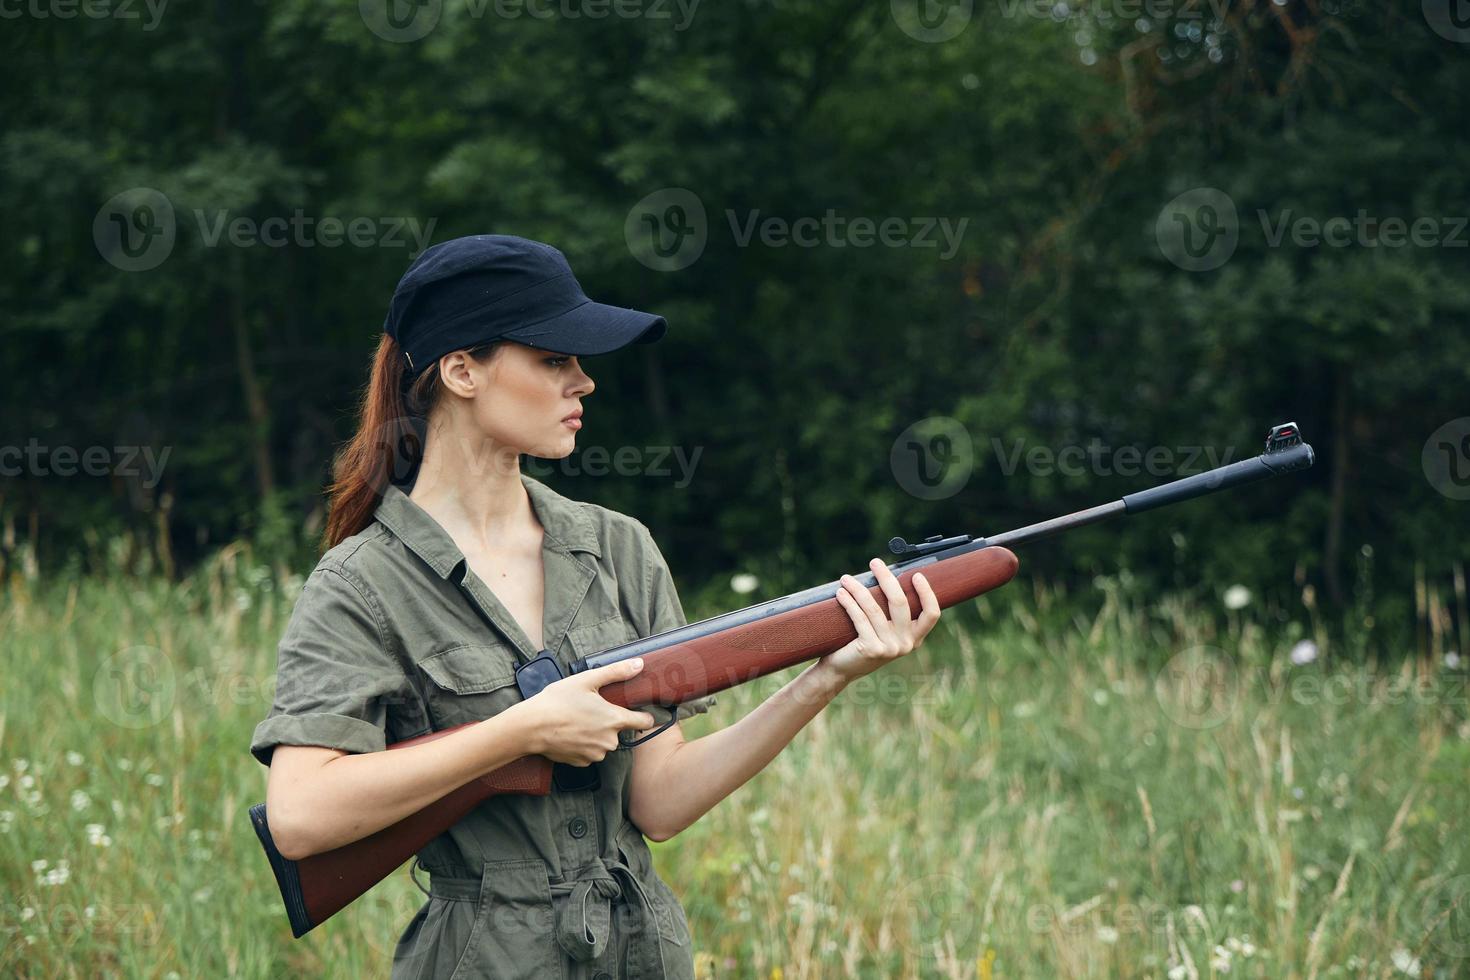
(1038, 791)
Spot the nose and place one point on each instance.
(584, 385)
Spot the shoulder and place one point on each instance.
(349, 568)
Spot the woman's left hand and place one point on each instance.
(879, 638)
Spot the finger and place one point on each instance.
(860, 620)
(928, 602)
(876, 616)
(640, 720)
(898, 603)
(612, 673)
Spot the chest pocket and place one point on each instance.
(469, 682)
(597, 637)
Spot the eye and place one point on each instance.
(557, 361)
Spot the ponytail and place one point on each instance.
(389, 443)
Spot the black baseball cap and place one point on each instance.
(472, 290)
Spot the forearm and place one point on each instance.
(354, 795)
(710, 768)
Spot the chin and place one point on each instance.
(559, 450)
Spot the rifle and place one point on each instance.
(712, 655)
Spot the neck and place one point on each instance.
(472, 486)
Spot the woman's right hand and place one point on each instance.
(572, 722)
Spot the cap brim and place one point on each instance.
(592, 328)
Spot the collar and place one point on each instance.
(567, 525)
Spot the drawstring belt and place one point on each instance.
(584, 921)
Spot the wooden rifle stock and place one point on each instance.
(698, 659)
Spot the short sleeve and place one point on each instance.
(334, 675)
(666, 612)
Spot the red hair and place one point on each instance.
(389, 443)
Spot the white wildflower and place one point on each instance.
(27, 781)
(1305, 652)
(1220, 959)
(1237, 597)
(40, 864)
(4, 780)
(1099, 697)
(27, 914)
(1024, 709)
(1405, 962)
(1107, 934)
(80, 800)
(21, 765)
(744, 583)
(153, 779)
(1178, 972)
(125, 764)
(74, 758)
(1452, 660)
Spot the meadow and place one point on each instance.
(1055, 785)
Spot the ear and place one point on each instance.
(457, 375)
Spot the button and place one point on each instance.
(577, 827)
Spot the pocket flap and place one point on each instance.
(469, 669)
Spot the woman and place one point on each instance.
(427, 600)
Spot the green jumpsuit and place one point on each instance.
(394, 636)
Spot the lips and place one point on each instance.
(575, 415)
